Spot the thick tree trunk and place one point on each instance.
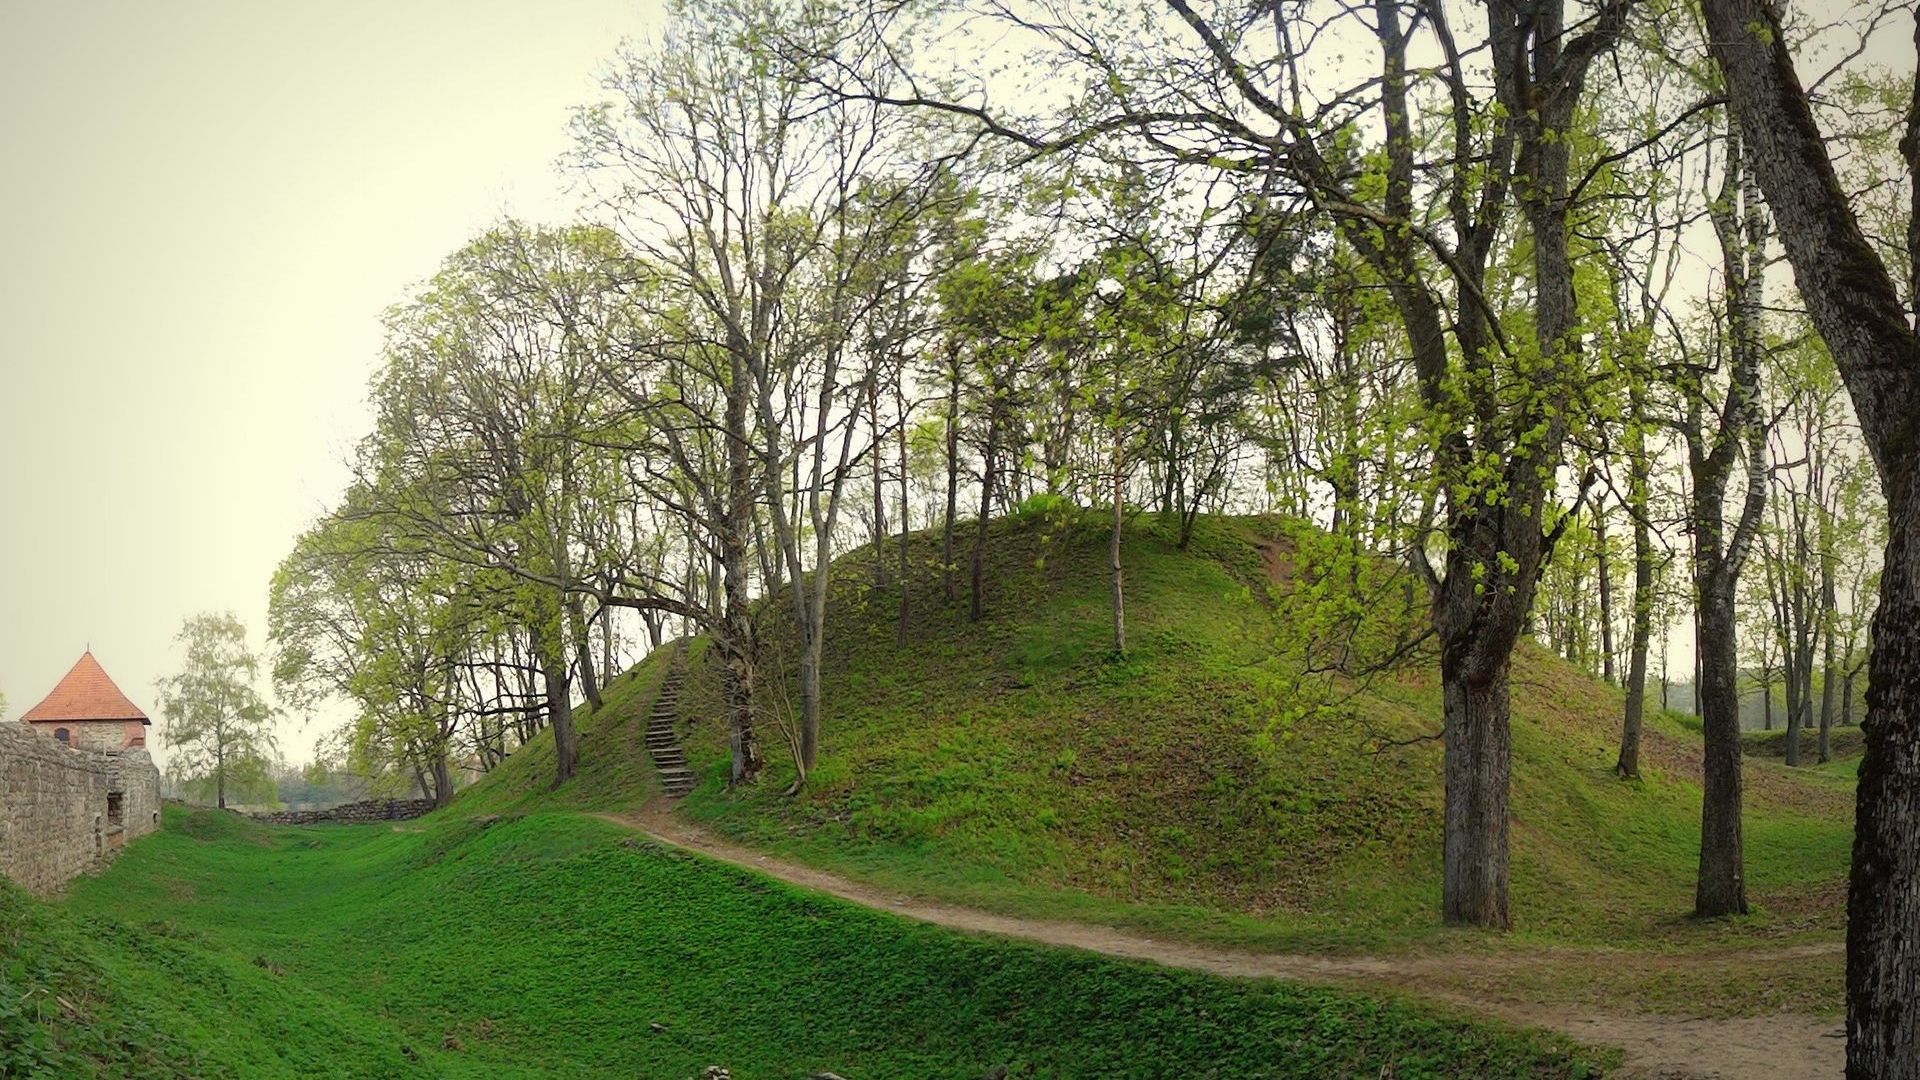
(442, 780)
(1478, 762)
(1856, 307)
(1883, 903)
(1722, 886)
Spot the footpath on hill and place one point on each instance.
(1657, 1047)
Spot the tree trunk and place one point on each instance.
(906, 523)
(1883, 903)
(583, 652)
(1722, 886)
(736, 625)
(976, 603)
(1478, 762)
(1606, 593)
(606, 640)
(1119, 591)
(879, 490)
(1856, 307)
(1628, 764)
(1795, 704)
(442, 780)
(809, 704)
(553, 676)
(953, 480)
(1828, 621)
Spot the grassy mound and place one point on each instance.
(555, 944)
(1842, 742)
(1208, 783)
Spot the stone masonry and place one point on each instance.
(350, 813)
(65, 812)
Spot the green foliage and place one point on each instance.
(218, 728)
(1210, 786)
(551, 944)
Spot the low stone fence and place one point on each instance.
(357, 813)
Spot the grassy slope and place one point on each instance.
(550, 944)
(1015, 764)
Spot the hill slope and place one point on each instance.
(558, 945)
(1204, 785)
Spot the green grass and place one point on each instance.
(1842, 742)
(1188, 788)
(551, 944)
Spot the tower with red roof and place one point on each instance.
(87, 710)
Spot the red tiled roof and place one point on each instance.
(85, 694)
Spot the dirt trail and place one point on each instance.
(1657, 1047)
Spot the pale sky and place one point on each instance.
(204, 208)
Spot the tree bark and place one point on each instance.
(1628, 764)
(1119, 519)
(583, 652)
(1855, 306)
(1721, 888)
(1478, 765)
(1606, 592)
(442, 781)
(553, 677)
(947, 563)
(879, 488)
(906, 523)
(736, 628)
(976, 604)
(1829, 620)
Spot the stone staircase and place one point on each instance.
(676, 779)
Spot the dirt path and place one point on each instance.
(1657, 1047)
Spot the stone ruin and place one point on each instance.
(354, 813)
(67, 811)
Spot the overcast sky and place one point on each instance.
(204, 208)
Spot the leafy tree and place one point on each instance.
(219, 730)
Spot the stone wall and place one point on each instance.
(350, 813)
(66, 812)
